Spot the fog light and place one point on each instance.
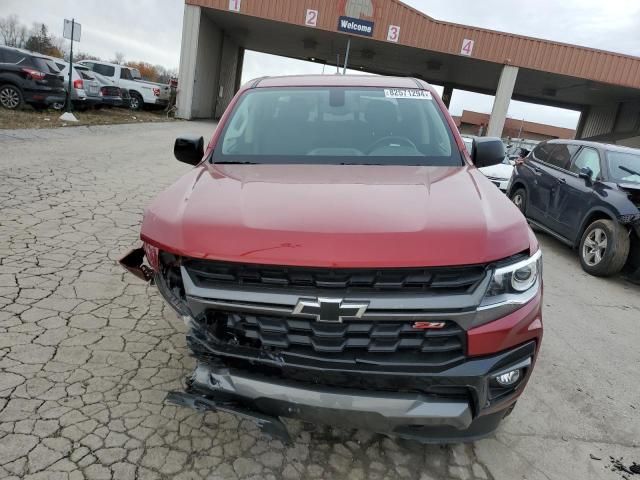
(509, 378)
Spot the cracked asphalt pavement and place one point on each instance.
(87, 351)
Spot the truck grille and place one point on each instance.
(210, 274)
(356, 340)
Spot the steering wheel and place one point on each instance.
(387, 141)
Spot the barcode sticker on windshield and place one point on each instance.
(407, 93)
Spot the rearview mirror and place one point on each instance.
(189, 149)
(487, 151)
(586, 173)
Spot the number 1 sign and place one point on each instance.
(467, 47)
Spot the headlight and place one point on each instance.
(511, 287)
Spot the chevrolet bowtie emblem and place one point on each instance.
(329, 309)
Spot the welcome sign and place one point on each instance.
(356, 26)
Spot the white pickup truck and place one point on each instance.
(142, 93)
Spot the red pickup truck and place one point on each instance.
(338, 258)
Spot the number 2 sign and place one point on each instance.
(234, 5)
(467, 47)
(311, 20)
(394, 33)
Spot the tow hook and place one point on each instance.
(133, 262)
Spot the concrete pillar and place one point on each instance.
(230, 71)
(200, 65)
(447, 94)
(501, 102)
(188, 52)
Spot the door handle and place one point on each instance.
(562, 180)
(537, 171)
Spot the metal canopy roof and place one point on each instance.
(551, 73)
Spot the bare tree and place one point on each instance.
(119, 58)
(13, 33)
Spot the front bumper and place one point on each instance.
(467, 408)
(455, 402)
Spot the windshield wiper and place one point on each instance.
(628, 170)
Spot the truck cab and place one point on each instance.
(142, 92)
(338, 257)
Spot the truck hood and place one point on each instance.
(337, 216)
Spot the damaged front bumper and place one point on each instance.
(458, 404)
(427, 418)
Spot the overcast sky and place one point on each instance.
(150, 30)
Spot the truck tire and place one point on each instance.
(136, 102)
(519, 198)
(11, 97)
(604, 248)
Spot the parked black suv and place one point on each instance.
(26, 77)
(586, 194)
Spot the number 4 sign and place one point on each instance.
(234, 5)
(394, 33)
(311, 20)
(467, 47)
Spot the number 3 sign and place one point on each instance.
(467, 47)
(394, 33)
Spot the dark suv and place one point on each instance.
(587, 195)
(26, 77)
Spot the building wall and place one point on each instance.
(633, 142)
(613, 123)
(600, 120)
(470, 129)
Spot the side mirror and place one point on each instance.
(487, 151)
(586, 174)
(189, 149)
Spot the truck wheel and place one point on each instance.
(136, 102)
(519, 198)
(604, 248)
(11, 97)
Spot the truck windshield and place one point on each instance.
(337, 125)
(624, 167)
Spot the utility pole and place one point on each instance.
(346, 57)
(520, 132)
(73, 24)
(72, 31)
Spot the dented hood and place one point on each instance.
(332, 215)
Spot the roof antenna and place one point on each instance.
(337, 64)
